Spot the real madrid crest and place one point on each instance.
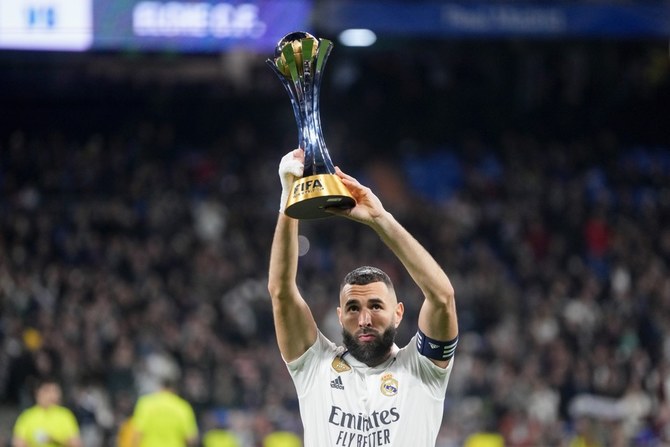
(389, 385)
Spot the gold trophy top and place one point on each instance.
(295, 41)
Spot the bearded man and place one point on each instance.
(368, 392)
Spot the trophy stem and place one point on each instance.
(308, 121)
(321, 59)
(295, 92)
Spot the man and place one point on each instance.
(369, 392)
(47, 423)
(163, 419)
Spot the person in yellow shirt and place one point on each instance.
(282, 439)
(47, 423)
(163, 419)
(218, 437)
(125, 436)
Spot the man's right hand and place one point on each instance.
(291, 167)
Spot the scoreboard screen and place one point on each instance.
(186, 26)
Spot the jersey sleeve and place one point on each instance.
(21, 427)
(304, 369)
(431, 375)
(190, 423)
(140, 415)
(70, 426)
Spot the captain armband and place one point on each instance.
(435, 349)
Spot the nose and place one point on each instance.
(364, 319)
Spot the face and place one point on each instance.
(48, 394)
(369, 315)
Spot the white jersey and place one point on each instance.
(344, 402)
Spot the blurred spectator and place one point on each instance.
(484, 440)
(125, 436)
(282, 439)
(220, 438)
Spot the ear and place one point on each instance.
(399, 312)
(339, 315)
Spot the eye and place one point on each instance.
(377, 306)
(352, 308)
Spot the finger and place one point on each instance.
(289, 164)
(290, 156)
(295, 167)
(298, 155)
(351, 183)
(343, 175)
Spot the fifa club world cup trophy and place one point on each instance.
(298, 61)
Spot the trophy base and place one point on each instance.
(311, 195)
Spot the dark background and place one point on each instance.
(139, 194)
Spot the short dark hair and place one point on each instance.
(169, 382)
(37, 382)
(366, 275)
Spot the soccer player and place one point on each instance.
(368, 392)
(47, 423)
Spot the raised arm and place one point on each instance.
(294, 324)
(437, 318)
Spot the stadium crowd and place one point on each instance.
(134, 241)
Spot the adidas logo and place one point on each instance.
(337, 383)
(433, 345)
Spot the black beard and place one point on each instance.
(372, 353)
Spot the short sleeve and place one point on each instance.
(70, 426)
(190, 423)
(304, 369)
(432, 376)
(21, 426)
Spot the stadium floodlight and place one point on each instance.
(357, 37)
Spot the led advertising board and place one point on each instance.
(198, 26)
(65, 25)
(154, 25)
